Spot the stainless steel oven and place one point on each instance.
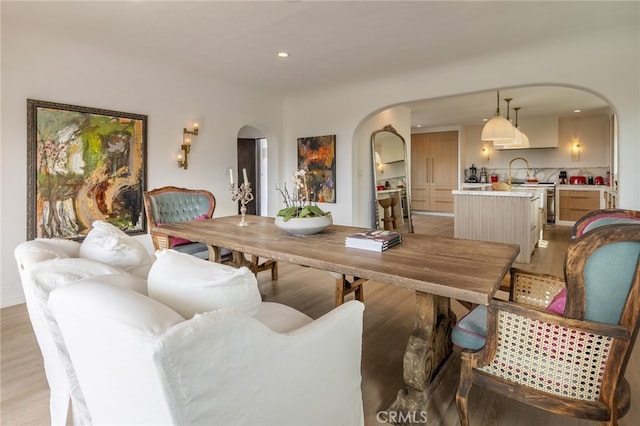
(550, 188)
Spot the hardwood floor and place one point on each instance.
(388, 321)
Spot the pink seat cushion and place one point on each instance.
(177, 241)
(559, 302)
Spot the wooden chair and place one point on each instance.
(346, 285)
(171, 204)
(602, 217)
(572, 364)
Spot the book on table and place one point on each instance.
(373, 239)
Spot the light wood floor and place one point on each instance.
(388, 321)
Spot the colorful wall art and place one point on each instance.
(84, 164)
(317, 155)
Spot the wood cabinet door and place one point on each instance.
(434, 170)
(574, 203)
(444, 155)
(419, 160)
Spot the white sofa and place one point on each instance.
(203, 349)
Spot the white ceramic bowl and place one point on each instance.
(304, 225)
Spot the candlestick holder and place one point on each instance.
(244, 195)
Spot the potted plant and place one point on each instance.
(301, 216)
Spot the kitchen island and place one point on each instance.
(514, 216)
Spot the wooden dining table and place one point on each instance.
(436, 268)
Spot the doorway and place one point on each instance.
(252, 156)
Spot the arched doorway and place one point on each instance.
(252, 157)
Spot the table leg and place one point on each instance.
(428, 348)
(237, 258)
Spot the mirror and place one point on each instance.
(390, 170)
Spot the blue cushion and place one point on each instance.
(608, 276)
(471, 330)
(196, 249)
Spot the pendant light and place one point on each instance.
(524, 139)
(498, 129)
(517, 134)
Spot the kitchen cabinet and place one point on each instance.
(434, 171)
(575, 203)
(499, 216)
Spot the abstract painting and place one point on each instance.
(83, 164)
(317, 155)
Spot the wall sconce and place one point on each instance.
(575, 150)
(485, 153)
(379, 164)
(183, 158)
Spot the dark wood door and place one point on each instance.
(248, 150)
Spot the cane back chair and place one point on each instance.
(571, 364)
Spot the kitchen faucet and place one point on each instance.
(510, 162)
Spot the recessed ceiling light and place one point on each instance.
(283, 54)
(418, 125)
(577, 110)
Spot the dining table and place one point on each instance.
(436, 268)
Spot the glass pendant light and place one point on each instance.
(498, 129)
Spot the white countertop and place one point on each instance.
(386, 191)
(585, 188)
(490, 193)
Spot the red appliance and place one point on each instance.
(578, 180)
(599, 180)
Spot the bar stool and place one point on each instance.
(389, 219)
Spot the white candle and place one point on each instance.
(244, 173)
(231, 177)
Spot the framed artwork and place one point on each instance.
(84, 164)
(317, 155)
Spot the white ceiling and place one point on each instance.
(331, 43)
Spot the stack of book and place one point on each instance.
(373, 239)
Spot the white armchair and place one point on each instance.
(44, 265)
(140, 362)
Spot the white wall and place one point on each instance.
(43, 68)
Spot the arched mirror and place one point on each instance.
(390, 177)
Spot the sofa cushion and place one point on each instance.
(108, 244)
(190, 285)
